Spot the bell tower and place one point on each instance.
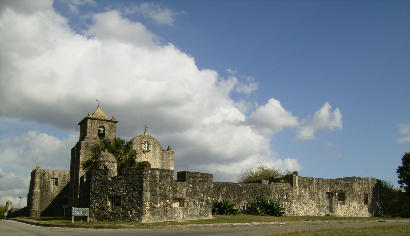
(93, 127)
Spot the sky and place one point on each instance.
(320, 87)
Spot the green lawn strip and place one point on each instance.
(218, 219)
(364, 231)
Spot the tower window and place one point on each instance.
(146, 146)
(101, 132)
(55, 181)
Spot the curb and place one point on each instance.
(142, 226)
(177, 226)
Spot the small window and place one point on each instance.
(114, 201)
(366, 199)
(101, 132)
(178, 202)
(55, 181)
(341, 196)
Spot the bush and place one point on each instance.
(2, 211)
(261, 173)
(224, 207)
(395, 203)
(264, 206)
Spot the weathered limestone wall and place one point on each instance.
(340, 197)
(118, 198)
(303, 196)
(48, 192)
(150, 195)
(243, 193)
(149, 150)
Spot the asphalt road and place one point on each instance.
(9, 227)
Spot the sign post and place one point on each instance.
(80, 212)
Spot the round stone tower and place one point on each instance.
(107, 161)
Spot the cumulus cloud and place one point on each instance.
(111, 26)
(20, 154)
(324, 118)
(50, 74)
(404, 129)
(24, 152)
(26, 6)
(155, 12)
(12, 187)
(272, 117)
(74, 4)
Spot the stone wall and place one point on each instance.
(340, 197)
(48, 192)
(303, 196)
(243, 193)
(150, 195)
(118, 198)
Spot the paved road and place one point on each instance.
(8, 227)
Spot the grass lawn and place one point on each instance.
(218, 219)
(368, 231)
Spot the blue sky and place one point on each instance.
(317, 86)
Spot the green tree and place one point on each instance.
(394, 202)
(403, 172)
(122, 151)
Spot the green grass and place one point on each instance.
(218, 219)
(367, 231)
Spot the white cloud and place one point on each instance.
(272, 117)
(154, 12)
(111, 26)
(74, 4)
(404, 140)
(12, 187)
(404, 129)
(324, 118)
(25, 151)
(20, 154)
(26, 6)
(52, 75)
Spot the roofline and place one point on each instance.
(93, 118)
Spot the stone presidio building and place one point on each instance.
(151, 194)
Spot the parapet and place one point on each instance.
(187, 176)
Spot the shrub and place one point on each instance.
(261, 173)
(224, 207)
(264, 206)
(2, 211)
(394, 202)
